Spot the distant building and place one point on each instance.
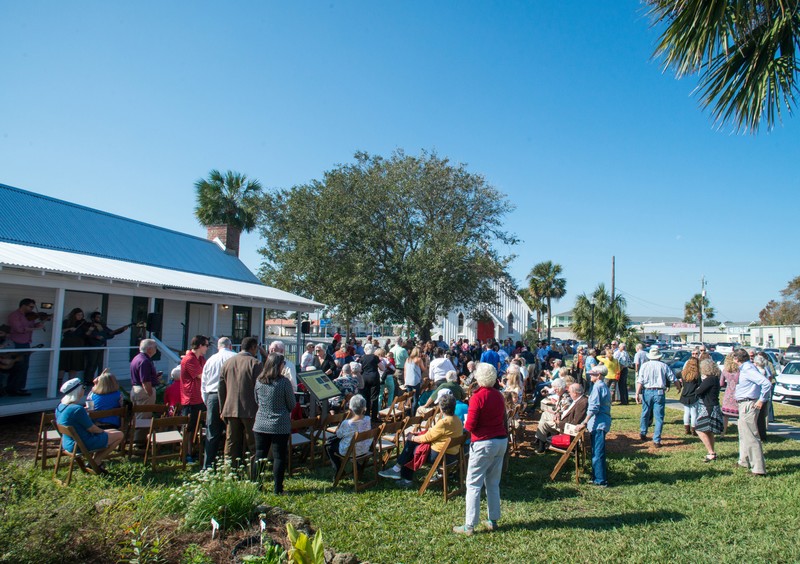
(510, 317)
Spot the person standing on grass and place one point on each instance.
(625, 362)
(752, 393)
(192, 365)
(273, 425)
(729, 379)
(486, 422)
(598, 423)
(237, 400)
(144, 379)
(652, 384)
(209, 389)
(709, 414)
(639, 358)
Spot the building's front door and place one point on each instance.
(485, 330)
(198, 321)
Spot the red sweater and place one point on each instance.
(191, 374)
(486, 414)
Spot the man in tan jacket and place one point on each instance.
(237, 400)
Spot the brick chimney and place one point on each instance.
(228, 236)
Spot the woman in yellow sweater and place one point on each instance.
(446, 428)
(612, 364)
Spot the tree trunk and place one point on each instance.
(423, 332)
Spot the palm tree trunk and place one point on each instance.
(549, 320)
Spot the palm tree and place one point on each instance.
(610, 319)
(227, 199)
(691, 309)
(745, 52)
(544, 282)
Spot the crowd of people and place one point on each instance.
(251, 397)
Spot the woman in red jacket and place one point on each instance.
(486, 422)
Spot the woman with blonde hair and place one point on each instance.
(412, 375)
(514, 383)
(106, 395)
(729, 378)
(709, 414)
(690, 376)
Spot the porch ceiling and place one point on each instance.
(48, 260)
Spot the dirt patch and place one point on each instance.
(19, 432)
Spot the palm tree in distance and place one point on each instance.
(229, 199)
(544, 282)
(610, 319)
(746, 55)
(691, 309)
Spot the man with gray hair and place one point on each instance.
(573, 414)
(752, 394)
(144, 379)
(289, 370)
(598, 422)
(555, 403)
(652, 384)
(237, 400)
(209, 389)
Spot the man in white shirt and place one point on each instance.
(440, 366)
(307, 360)
(289, 369)
(209, 386)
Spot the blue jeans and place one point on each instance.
(653, 403)
(483, 471)
(599, 457)
(214, 429)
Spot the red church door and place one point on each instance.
(485, 330)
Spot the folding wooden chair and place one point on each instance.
(444, 468)
(80, 454)
(359, 463)
(390, 440)
(120, 412)
(513, 431)
(576, 450)
(135, 424)
(167, 431)
(48, 436)
(413, 422)
(302, 439)
(199, 433)
(396, 411)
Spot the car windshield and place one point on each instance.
(792, 368)
(717, 357)
(793, 349)
(669, 356)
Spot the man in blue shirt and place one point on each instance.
(752, 393)
(652, 384)
(598, 422)
(490, 356)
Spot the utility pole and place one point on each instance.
(702, 304)
(613, 277)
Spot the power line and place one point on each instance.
(621, 291)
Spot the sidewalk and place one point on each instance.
(777, 429)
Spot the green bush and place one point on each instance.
(225, 495)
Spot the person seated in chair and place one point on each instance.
(347, 384)
(573, 414)
(357, 423)
(106, 395)
(71, 413)
(450, 383)
(446, 428)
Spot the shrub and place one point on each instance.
(225, 495)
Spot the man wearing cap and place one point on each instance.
(598, 422)
(209, 389)
(752, 393)
(652, 384)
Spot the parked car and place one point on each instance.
(726, 348)
(792, 353)
(675, 359)
(787, 383)
(777, 353)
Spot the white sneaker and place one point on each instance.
(435, 478)
(390, 474)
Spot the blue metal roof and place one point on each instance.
(40, 221)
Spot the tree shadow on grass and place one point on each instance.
(604, 522)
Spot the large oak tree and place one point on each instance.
(402, 239)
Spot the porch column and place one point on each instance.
(262, 317)
(55, 343)
(298, 336)
(214, 334)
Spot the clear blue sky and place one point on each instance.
(122, 106)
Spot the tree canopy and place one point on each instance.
(691, 309)
(403, 239)
(228, 199)
(745, 52)
(610, 319)
(545, 284)
(785, 311)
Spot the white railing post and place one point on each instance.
(55, 343)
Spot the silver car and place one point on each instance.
(787, 383)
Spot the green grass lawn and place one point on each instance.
(663, 505)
